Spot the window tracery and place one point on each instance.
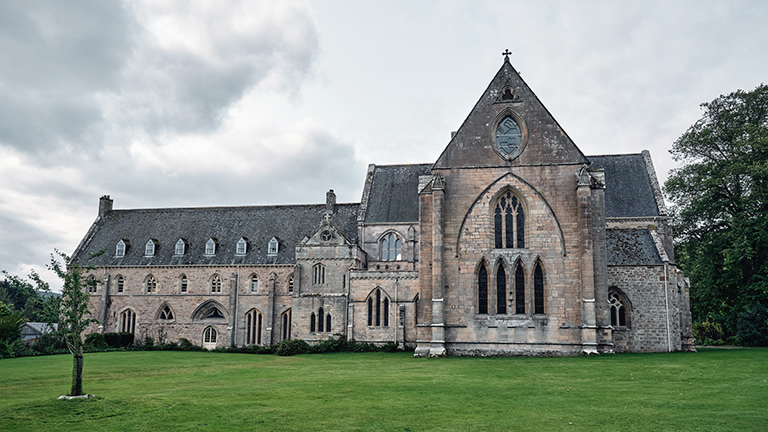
(509, 222)
(391, 248)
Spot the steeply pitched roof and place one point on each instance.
(631, 247)
(628, 189)
(258, 224)
(394, 195)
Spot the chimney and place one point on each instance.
(330, 201)
(105, 205)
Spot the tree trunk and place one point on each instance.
(77, 372)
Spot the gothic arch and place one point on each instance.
(165, 313)
(539, 278)
(618, 300)
(480, 285)
(480, 199)
(205, 309)
(501, 286)
(378, 307)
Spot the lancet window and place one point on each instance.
(509, 222)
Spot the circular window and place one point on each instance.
(326, 235)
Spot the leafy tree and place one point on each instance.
(74, 316)
(10, 331)
(26, 297)
(720, 210)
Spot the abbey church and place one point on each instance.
(513, 242)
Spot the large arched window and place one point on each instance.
(519, 289)
(391, 248)
(253, 321)
(128, 321)
(509, 222)
(378, 308)
(482, 290)
(538, 289)
(620, 308)
(501, 290)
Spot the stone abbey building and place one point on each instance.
(512, 242)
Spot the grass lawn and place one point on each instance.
(186, 391)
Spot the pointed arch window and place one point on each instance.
(312, 319)
(127, 321)
(253, 321)
(320, 320)
(318, 274)
(501, 290)
(183, 284)
(482, 290)
(210, 247)
(391, 248)
(290, 284)
(151, 283)
(509, 223)
(328, 322)
(215, 284)
(285, 321)
(378, 309)
(538, 289)
(120, 284)
(254, 283)
(214, 313)
(519, 289)
(166, 313)
(180, 248)
(241, 247)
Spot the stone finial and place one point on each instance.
(105, 205)
(330, 201)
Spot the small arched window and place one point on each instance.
(215, 284)
(320, 320)
(254, 283)
(151, 283)
(538, 289)
(482, 290)
(183, 284)
(501, 290)
(285, 320)
(318, 274)
(312, 318)
(391, 248)
(90, 284)
(328, 322)
(519, 289)
(120, 284)
(509, 223)
(290, 284)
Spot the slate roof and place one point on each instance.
(394, 195)
(258, 224)
(628, 190)
(631, 247)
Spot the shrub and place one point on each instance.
(752, 326)
(126, 339)
(112, 340)
(187, 345)
(149, 343)
(95, 341)
(291, 347)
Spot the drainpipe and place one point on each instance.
(666, 304)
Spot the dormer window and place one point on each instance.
(149, 248)
(181, 247)
(272, 247)
(210, 247)
(242, 246)
(121, 247)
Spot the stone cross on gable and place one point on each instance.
(506, 54)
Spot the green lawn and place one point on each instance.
(185, 391)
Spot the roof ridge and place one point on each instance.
(148, 209)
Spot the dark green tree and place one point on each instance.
(25, 297)
(720, 210)
(74, 315)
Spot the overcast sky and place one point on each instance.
(176, 103)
